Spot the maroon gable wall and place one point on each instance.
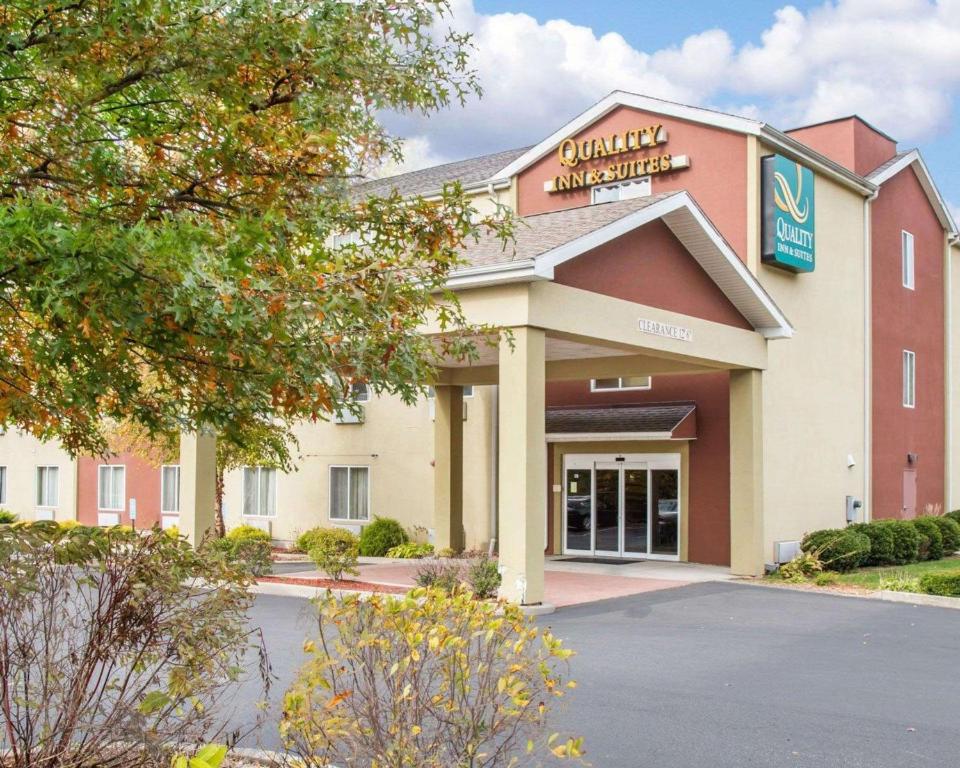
(142, 484)
(914, 320)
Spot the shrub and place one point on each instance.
(900, 581)
(950, 531)
(429, 680)
(906, 541)
(307, 540)
(7, 517)
(954, 515)
(377, 538)
(881, 536)
(440, 573)
(250, 554)
(335, 552)
(128, 646)
(826, 579)
(931, 546)
(412, 550)
(248, 533)
(802, 567)
(946, 583)
(839, 549)
(484, 578)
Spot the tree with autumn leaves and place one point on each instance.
(179, 243)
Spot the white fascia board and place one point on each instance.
(914, 158)
(592, 437)
(476, 277)
(635, 101)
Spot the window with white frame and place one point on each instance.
(467, 391)
(360, 392)
(909, 379)
(259, 492)
(907, 260)
(350, 493)
(625, 190)
(170, 488)
(621, 383)
(48, 486)
(111, 487)
(3, 485)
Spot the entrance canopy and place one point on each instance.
(657, 421)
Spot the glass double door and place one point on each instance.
(622, 508)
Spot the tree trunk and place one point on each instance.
(221, 528)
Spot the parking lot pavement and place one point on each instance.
(724, 674)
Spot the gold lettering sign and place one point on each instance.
(572, 152)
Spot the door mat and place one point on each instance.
(599, 560)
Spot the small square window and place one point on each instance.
(621, 383)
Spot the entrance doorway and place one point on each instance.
(622, 505)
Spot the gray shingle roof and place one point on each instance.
(430, 180)
(656, 417)
(543, 232)
(881, 168)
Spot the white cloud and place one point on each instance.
(894, 62)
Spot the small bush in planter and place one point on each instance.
(380, 536)
(801, 568)
(906, 541)
(950, 531)
(412, 550)
(484, 578)
(932, 546)
(882, 542)
(308, 540)
(7, 517)
(250, 554)
(440, 573)
(335, 552)
(945, 583)
(248, 533)
(839, 549)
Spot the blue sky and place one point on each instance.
(894, 62)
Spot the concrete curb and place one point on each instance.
(913, 598)
(543, 609)
(885, 595)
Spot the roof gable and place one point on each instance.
(913, 159)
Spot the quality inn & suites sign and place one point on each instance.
(788, 214)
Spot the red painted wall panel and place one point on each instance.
(142, 484)
(913, 320)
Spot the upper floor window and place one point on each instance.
(259, 492)
(360, 392)
(170, 488)
(624, 190)
(48, 486)
(907, 259)
(622, 383)
(111, 479)
(909, 379)
(3, 485)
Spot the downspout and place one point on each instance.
(494, 463)
(868, 357)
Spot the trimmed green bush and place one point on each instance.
(954, 515)
(931, 548)
(247, 533)
(945, 583)
(839, 549)
(7, 517)
(250, 554)
(880, 533)
(906, 541)
(412, 550)
(950, 531)
(335, 551)
(381, 536)
(308, 539)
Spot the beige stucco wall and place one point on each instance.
(21, 454)
(396, 442)
(814, 384)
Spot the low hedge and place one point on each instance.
(309, 539)
(931, 546)
(954, 515)
(248, 533)
(381, 536)
(839, 549)
(945, 583)
(906, 540)
(882, 541)
(950, 531)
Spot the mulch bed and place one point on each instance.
(356, 586)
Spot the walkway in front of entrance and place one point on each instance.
(566, 583)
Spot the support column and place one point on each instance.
(522, 466)
(198, 477)
(746, 473)
(448, 468)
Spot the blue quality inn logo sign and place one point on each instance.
(788, 214)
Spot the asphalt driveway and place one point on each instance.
(722, 674)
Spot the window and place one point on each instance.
(48, 486)
(170, 488)
(906, 250)
(3, 485)
(467, 391)
(360, 392)
(622, 383)
(909, 379)
(111, 481)
(259, 492)
(349, 493)
(625, 190)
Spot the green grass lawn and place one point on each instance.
(869, 578)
